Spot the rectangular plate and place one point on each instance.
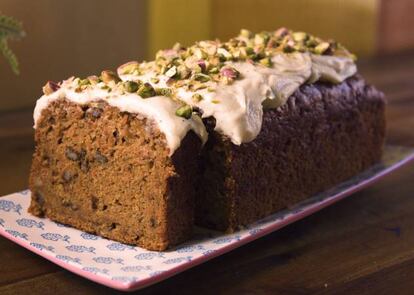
(126, 267)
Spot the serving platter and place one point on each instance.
(129, 268)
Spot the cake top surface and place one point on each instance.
(231, 81)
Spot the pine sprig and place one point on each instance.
(10, 29)
(9, 56)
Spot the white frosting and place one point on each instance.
(158, 108)
(237, 108)
(333, 69)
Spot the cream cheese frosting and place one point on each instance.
(160, 109)
(237, 107)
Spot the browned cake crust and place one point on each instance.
(323, 135)
(109, 173)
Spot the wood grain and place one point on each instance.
(362, 245)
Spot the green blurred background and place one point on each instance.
(69, 37)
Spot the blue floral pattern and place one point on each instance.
(123, 266)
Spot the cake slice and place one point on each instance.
(112, 172)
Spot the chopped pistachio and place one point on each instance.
(94, 79)
(193, 66)
(214, 70)
(224, 53)
(288, 47)
(177, 46)
(229, 72)
(183, 72)
(155, 80)
(185, 111)
(197, 97)
(199, 85)
(246, 33)
(84, 82)
(322, 48)
(353, 57)
(281, 32)
(146, 90)
(199, 53)
(249, 50)
(201, 77)
(267, 62)
(171, 72)
(299, 36)
(261, 39)
(108, 76)
(202, 64)
(131, 86)
(50, 87)
(130, 68)
(215, 101)
(311, 42)
(163, 91)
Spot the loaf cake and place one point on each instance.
(218, 134)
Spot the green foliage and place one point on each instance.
(10, 29)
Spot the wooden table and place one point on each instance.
(362, 245)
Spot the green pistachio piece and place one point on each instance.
(322, 48)
(163, 92)
(171, 72)
(280, 33)
(146, 90)
(261, 39)
(299, 47)
(129, 68)
(288, 47)
(249, 51)
(299, 36)
(155, 80)
(197, 97)
(109, 76)
(267, 62)
(185, 111)
(50, 87)
(214, 70)
(131, 86)
(311, 42)
(199, 53)
(246, 33)
(94, 80)
(177, 46)
(183, 72)
(84, 82)
(222, 52)
(201, 77)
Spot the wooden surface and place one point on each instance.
(362, 245)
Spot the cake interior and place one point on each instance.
(110, 173)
